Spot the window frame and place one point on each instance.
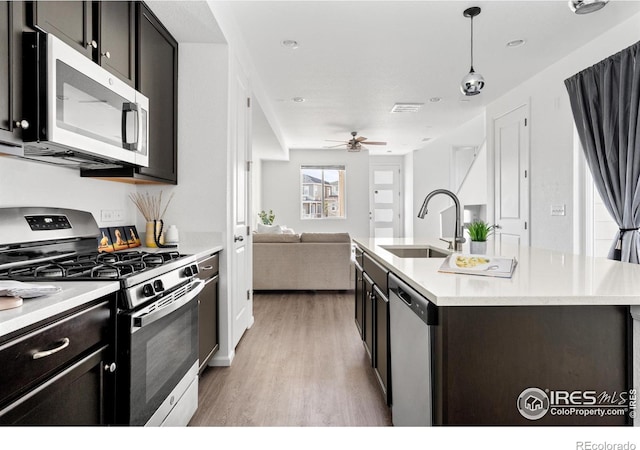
(322, 188)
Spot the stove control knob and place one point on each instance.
(194, 269)
(158, 286)
(188, 272)
(147, 290)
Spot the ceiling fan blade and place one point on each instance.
(361, 138)
(334, 146)
(375, 143)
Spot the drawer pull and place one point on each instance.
(207, 267)
(64, 343)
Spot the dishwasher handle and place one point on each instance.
(421, 306)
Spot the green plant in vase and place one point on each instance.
(479, 231)
(267, 218)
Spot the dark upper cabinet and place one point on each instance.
(11, 26)
(156, 76)
(102, 31)
(70, 21)
(115, 22)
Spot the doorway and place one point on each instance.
(385, 217)
(511, 159)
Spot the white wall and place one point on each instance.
(28, 183)
(551, 135)
(281, 191)
(431, 170)
(199, 203)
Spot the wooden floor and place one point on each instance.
(301, 364)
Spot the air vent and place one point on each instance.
(406, 107)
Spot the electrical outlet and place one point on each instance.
(111, 215)
(557, 210)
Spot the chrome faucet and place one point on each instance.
(458, 236)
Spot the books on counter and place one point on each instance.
(483, 265)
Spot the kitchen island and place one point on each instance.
(552, 345)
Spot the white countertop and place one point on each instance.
(542, 277)
(33, 310)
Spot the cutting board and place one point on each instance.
(10, 302)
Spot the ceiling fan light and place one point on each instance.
(586, 6)
(472, 83)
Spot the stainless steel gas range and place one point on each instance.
(157, 311)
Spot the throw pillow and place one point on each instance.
(269, 229)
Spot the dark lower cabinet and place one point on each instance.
(74, 397)
(208, 311)
(359, 301)
(61, 371)
(382, 360)
(369, 313)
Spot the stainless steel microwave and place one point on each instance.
(78, 114)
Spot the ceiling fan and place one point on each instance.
(355, 143)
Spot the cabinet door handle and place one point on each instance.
(107, 55)
(238, 238)
(64, 343)
(24, 124)
(93, 44)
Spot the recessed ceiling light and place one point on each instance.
(298, 99)
(516, 43)
(290, 43)
(435, 99)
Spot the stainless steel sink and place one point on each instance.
(415, 252)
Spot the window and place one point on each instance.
(323, 192)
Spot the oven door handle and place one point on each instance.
(146, 319)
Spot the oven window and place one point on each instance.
(169, 348)
(161, 353)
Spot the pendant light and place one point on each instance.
(586, 6)
(473, 82)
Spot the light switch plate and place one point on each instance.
(111, 215)
(557, 210)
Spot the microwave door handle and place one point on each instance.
(126, 109)
(138, 143)
(146, 319)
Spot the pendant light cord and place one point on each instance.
(471, 43)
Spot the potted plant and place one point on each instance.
(267, 218)
(479, 231)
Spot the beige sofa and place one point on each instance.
(307, 261)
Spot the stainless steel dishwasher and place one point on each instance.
(411, 317)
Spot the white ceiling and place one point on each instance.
(355, 59)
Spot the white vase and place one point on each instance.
(478, 247)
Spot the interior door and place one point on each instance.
(240, 289)
(385, 201)
(511, 151)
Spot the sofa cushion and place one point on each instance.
(325, 237)
(275, 238)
